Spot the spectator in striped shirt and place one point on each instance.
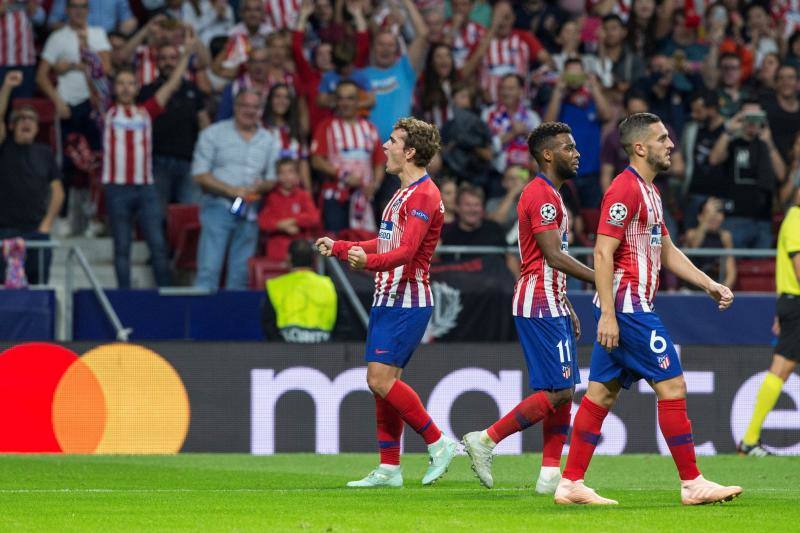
(234, 163)
(251, 32)
(461, 33)
(128, 174)
(504, 50)
(142, 50)
(346, 151)
(282, 14)
(17, 51)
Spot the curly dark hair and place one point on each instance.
(422, 137)
(541, 138)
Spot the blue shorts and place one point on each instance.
(549, 348)
(394, 333)
(645, 351)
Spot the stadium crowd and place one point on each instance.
(270, 115)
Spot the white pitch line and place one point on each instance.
(325, 489)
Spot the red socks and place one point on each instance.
(677, 431)
(390, 431)
(555, 428)
(408, 405)
(585, 436)
(529, 411)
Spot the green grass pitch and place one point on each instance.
(305, 492)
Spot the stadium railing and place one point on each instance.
(581, 251)
(76, 256)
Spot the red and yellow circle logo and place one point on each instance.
(115, 399)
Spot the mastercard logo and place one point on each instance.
(115, 399)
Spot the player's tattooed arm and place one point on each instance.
(680, 265)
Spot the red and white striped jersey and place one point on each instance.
(291, 147)
(146, 66)
(128, 143)
(16, 39)
(144, 59)
(631, 212)
(352, 146)
(512, 55)
(541, 290)
(240, 42)
(401, 255)
(464, 40)
(282, 14)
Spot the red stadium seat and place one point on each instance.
(755, 275)
(183, 234)
(262, 268)
(49, 125)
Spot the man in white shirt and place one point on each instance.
(62, 54)
(76, 53)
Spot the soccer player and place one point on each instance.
(632, 343)
(544, 317)
(403, 302)
(787, 327)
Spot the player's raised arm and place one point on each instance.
(680, 265)
(607, 327)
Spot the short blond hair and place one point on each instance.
(422, 137)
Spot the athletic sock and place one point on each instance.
(585, 436)
(765, 400)
(677, 431)
(390, 431)
(408, 405)
(555, 428)
(529, 411)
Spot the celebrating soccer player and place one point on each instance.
(632, 343)
(546, 323)
(787, 327)
(403, 302)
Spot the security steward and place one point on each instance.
(301, 306)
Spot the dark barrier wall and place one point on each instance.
(259, 398)
(464, 312)
(27, 314)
